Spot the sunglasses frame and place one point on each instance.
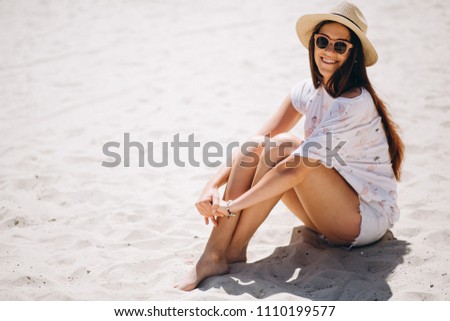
(333, 43)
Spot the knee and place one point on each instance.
(251, 150)
(279, 147)
(286, 143)
(291, 168)
(287, 138)
(295, 168)
(273, 149)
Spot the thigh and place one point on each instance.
(292, 202)
(331, 204)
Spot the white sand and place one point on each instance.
(75, 75)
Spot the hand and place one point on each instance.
(208, 203)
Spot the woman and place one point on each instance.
(340, 181)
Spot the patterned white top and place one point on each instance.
(348, 135)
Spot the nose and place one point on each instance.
(330, 48)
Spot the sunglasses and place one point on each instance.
(340, 46)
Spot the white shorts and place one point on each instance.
(373, 224)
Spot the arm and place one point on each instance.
(283, 120)
(277, 181)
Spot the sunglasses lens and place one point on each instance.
(322, 42)
(340, 47)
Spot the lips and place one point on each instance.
(328, 61)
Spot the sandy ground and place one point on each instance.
(75, 75)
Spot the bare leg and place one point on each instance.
(228, 241)
(213, 260)
(292, 202)
(325, 209)
(326, 203)
(252, 217)
(331, 204)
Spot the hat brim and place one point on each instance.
(306, 24)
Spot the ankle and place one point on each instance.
(214, 256)
(237, 257)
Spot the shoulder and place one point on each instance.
(300, 94)
(303, 87)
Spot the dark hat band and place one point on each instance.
(337, 14)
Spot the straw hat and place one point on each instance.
(344, 13)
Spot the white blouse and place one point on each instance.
(348, 135)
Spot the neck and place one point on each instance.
(325, 80)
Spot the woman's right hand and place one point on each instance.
(208, 203)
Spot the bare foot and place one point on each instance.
(205, 268)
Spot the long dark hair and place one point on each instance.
(353, 74)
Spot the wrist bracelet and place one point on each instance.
(230, 214)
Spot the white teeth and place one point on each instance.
(329, 61)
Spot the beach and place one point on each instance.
(76, 75)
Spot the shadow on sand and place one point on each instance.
(309, 268)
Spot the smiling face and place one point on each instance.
(327, 59)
